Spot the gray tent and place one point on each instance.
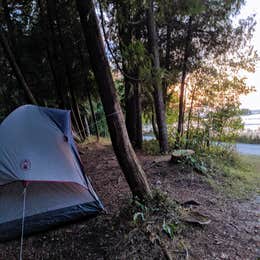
(37, 151)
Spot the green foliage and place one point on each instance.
(169, 229)
(156, 210)
(101, 120)
(248, 138)
(218, 50)
(120, 87)
(176, 141)
(154, 221)
(138, 215)
(214, 114)
(197, 163)
(136, 56)
(159, 204)
(151, 147)
(240, 176)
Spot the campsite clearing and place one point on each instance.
(232, 233)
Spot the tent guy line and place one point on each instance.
(22, 232)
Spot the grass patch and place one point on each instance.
(93, 139)
(239, 178)
(151, 147)
(225, 170)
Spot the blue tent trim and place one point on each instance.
(52, 218)
(62, 118)
(45, 221)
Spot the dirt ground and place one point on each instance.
(232, 234)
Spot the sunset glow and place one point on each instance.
(252, 101)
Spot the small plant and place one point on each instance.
(141, 211)
(151, 147)
(138, 215)
(169, 229)
(197, 164)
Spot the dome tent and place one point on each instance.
(37, 151)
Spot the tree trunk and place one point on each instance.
(60, 75)
(182, 87)
(155, 129)
(85, 78)
(130, 110)
(125, 31)
(52, 48)
(19, 75)
(93, 114)
(68, 74)
(86, 125)
(167, 60)
(11, 34)
(157, 84)
(127, 159)
(75, 122)
(133, 113)
(189, 115)
(138, 105)
(137, 87)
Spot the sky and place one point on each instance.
(252, 100)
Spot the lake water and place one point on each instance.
(251, 124)
(252, 149)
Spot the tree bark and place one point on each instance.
(182, 87)
(10, 26)
(132, 94)
(127, 159)
(139, 126)
(167, 59)
(68, 74)
(61, 74)
(52, 48)
(189, 115)
(19, 75)
(86, 125)
(155, 129)
(85, 78)
(157, 84)
(130, 110)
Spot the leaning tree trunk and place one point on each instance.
(19, 75)
(127, 159)
(157, 84)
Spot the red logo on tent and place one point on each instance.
(25, 165)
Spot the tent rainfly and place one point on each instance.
(38, 155)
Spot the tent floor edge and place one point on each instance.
(47, 221)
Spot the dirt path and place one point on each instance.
(232, 234)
